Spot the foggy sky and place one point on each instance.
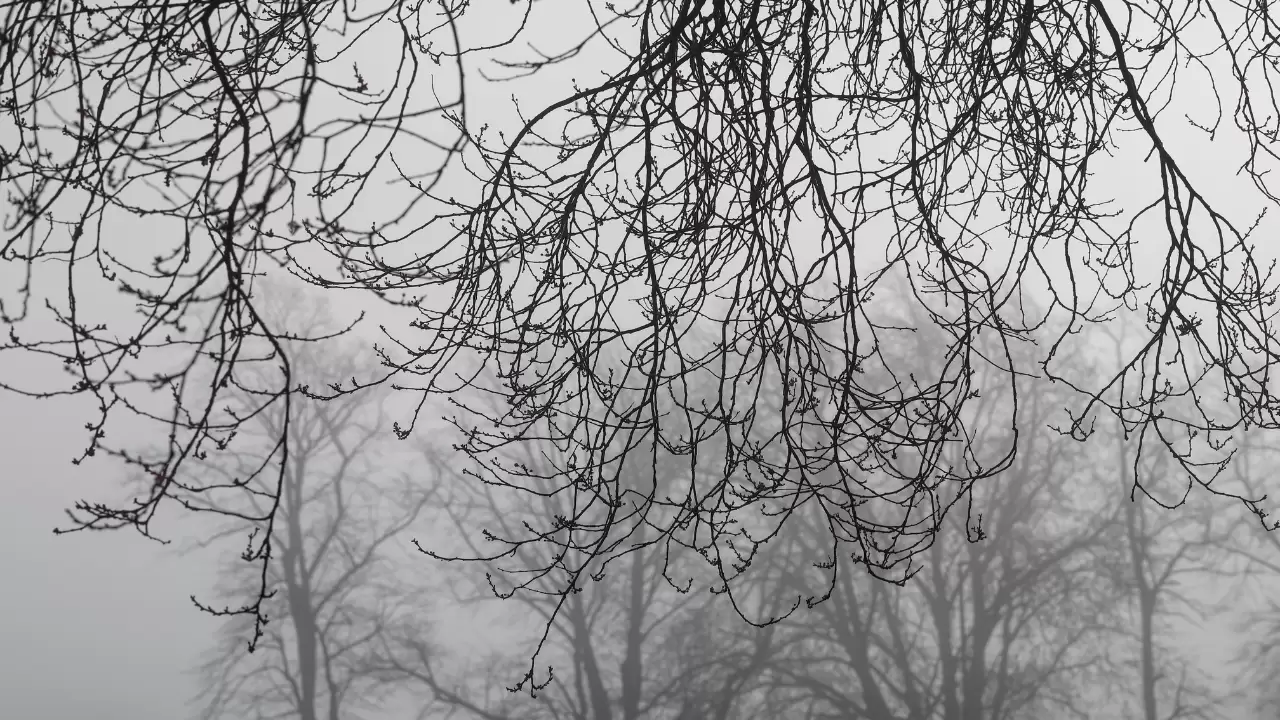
(98, 626)
(94, 626)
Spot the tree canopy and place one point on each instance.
(788, 245)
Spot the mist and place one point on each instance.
(692, 361)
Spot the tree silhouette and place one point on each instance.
(725, 241)
(621, 643)
(343, 507)
(1165, 555)
(1010, 626)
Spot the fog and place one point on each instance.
(93, 625)
(580, 545)
(100, 625)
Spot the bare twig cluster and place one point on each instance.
(785, 244)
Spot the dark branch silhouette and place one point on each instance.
(777, 241)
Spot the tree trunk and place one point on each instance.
(600, 704)
(297, 582)
(632, 670)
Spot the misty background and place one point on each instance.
(100, 625)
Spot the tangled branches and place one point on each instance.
(785, 242)
(172, 152)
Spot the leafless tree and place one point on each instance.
(343, 506)
(1165, 555)
(1007, 617)
(1257, 659)
(630, 642)
(755, 171)
(178, 152)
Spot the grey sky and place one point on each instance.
(99, 626)
(91, 626)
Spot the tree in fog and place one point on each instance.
(1257, 659)
(1164, 555)
(631, 642)
(721, 662)
(343, 505)
(755, 169)
(1007, 616)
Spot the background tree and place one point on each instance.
(760, 171)
(344, 506)
(1007, 614)
(1165, 556)
(631, 641)
(1257, 657)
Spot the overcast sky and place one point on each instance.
(91, 626)
(100, 626)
